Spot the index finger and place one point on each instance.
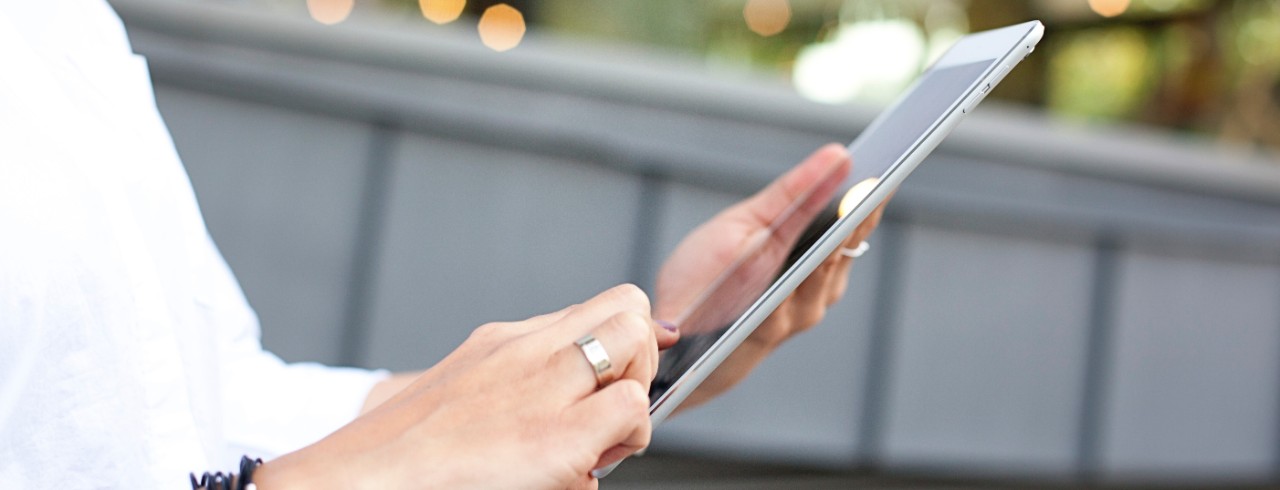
(586, 316)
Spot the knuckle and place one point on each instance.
(837, 292)
(632, 398)
(775, 335)
(520, 349)
(812, 316)
(634, 325)
(646, 433)
(632, 295)
(486, 331)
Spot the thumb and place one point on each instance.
(828, 165)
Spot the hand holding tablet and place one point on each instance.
(731, 303)
(741, 251)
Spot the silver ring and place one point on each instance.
(854, 253)
(598, 358)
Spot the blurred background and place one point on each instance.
(1081, 287)
(1201, 66)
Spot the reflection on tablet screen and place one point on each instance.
(765, 256)
(757, 265)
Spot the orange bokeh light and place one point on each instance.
(501, 27)
(767, 17)
(1109, 8)
(330, 12)
(442, 11)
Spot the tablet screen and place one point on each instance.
(764, 257)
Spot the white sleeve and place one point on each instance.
(270, 407)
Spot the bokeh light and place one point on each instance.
(855, 195)
(1206, 67)
(330, 12)
(767, 17)
(1258, 38)
(944, 24)
(1109, 8)
(871, 60)
(1101, 74)
(501, 27)
(442, 11)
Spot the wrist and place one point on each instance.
(272, 476)
(323, 465)
(289, 472)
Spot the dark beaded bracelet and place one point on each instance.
(229, 481)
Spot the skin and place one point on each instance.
(517, 405)
(709, 248)
(507, 409)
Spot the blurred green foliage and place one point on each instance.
(1209, 67)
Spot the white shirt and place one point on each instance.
(128, 354)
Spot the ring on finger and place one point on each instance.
(854, 253)
(598, 358)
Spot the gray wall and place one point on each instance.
(1043, 300)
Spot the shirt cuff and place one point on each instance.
(272, 408)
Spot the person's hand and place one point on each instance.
(515, 406)
(711, 248)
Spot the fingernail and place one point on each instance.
(671, 327)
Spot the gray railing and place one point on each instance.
(1044, 300)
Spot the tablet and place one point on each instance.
(760, 278)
